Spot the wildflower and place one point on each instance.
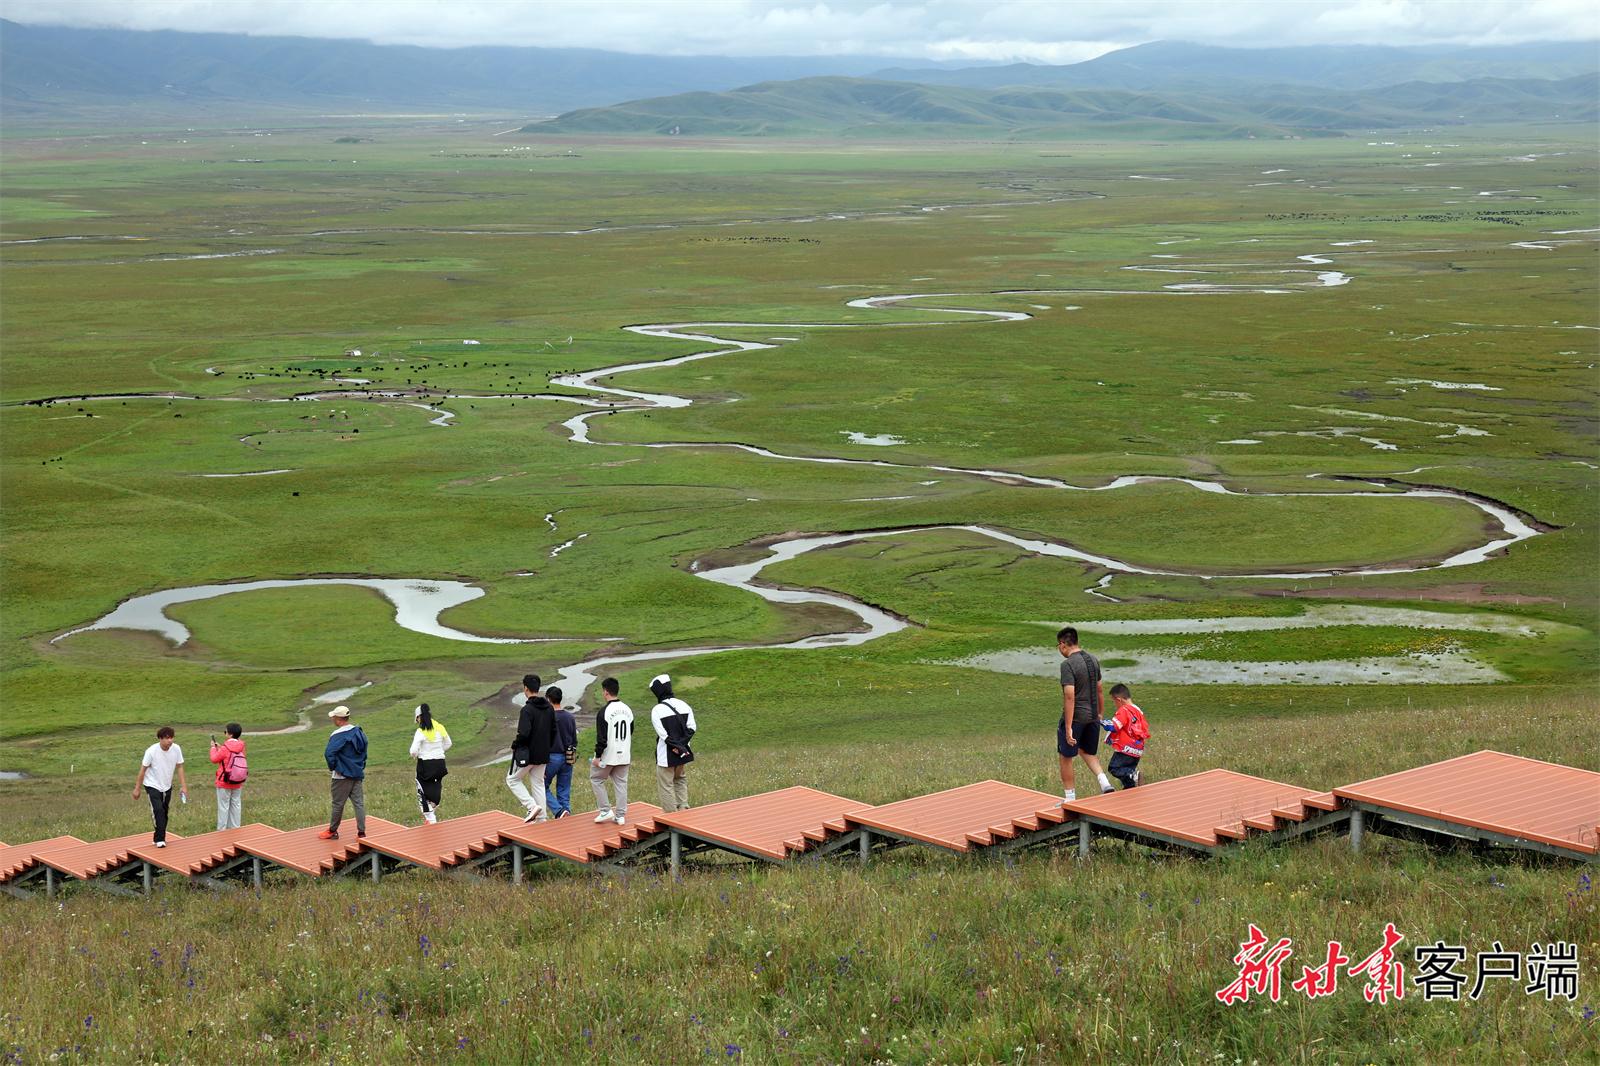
(733, 1051)
(425, 944)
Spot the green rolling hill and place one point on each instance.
(863, 107)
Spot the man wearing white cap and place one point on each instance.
(346, 755)
(673, 720)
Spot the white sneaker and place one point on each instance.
(161, 843)
(603, 816)
(532, 816)
(620, 820)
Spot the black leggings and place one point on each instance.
(430, 783)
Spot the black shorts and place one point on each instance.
(1085, 739)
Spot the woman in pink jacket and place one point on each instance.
(231, 772)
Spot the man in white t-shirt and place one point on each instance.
(160, 760)
(613, 755)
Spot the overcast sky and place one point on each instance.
(1050, 31)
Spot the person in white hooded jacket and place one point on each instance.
(674, 724)
(428, 746)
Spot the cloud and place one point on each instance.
(1004, 30)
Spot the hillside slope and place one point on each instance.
(869, 107)
(1166, 64)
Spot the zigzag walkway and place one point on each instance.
(1487, 799)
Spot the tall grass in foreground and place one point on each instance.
(917, 958)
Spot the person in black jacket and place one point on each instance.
(530, 751)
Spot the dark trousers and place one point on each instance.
(349, 789)
(430, 783)
(1124, 768)
(160, 804)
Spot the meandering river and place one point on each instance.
(419, 602)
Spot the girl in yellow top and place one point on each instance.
(428, 746)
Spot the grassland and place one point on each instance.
(409, 243)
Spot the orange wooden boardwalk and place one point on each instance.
(23, 863)
(1487, 796)
(93, 862)
(1207, 810)
(452, 843)
(774, 826)
(303, 852)
(201, 856)
(981, 815)
(581, 840)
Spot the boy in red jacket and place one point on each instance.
(1128, 730)
(229, 757)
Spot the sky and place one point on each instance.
(1040, 31)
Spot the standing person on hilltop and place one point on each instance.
(231, 772)
(346, 756)
(428, 745)
(613, 755)
(160, 760)
(1078, 733)
(558, 771)
(674, 724)
(530, 750)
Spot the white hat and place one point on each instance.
(661, 679)
(340, 711)
(417, 714)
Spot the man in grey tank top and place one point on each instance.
(1082, 698)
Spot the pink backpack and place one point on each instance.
(235, 769)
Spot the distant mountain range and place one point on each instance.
(873, 108)
(51, 70)
(1169, 64)
(1160, 90)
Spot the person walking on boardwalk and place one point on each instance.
(530, 750)
(428, 745)
(1078, 733)
(613, 754)
(231, 772)
(558, 771)
(160, 761)
(346, 756)
(674, 724)
(1128, 729)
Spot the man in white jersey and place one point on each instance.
(674, 724)
(613, 754)
(155, 777)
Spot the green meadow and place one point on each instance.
(217, 280)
